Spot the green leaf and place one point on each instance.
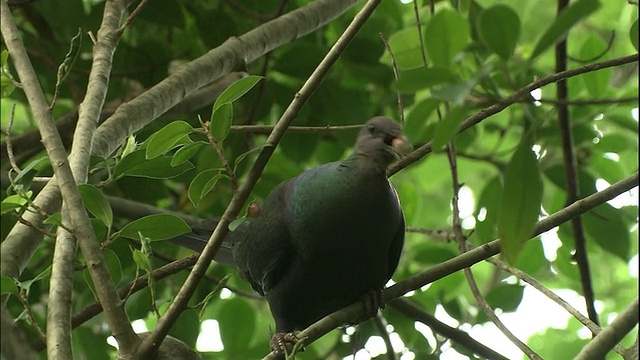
(202, 184)
(570, 16)
(5, 76)
(406, 47)
(136, 164)
(520, 201)
(448, 128)
(244, 155)
(596, 82)
(489, 200)
(89, 281)
(142, 261)
(99, 228)
(166, 138)
(411, 81)
(446, 35)
(155, 227)
(609, 231)
(454, 92)
(236, 90)
(236, 223)
(499, 28)
(235, 338)
(29, 171)
(535, 261)
(55, 219)
(13, 202)
(186, 152)
(418, 125)
(8, 285)
(44, 275)
(6, 86)
(221, 120)
(505, 297)
(113, 265)
(96, 203)
(633, 34)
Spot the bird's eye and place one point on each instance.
(372, 129)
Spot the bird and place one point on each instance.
(326, 238)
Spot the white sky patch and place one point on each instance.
(628, 198)
(633, 266)
(209, 338)
(537, 95)
(139, 326)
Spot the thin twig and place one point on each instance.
(394, 66)
(267, 129)
(437, 233)
(31, 319)
(132, 16)
(12, 159)
(419, 25)
(216, 146)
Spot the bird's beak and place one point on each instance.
(401, 145)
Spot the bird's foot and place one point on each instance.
(283, 343)
(371, 301)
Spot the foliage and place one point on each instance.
(464, 57)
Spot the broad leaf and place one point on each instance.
(136, 164)
(202, 184)
(448, 128)
(520, 202)
(499, 28)
(166, 138)
(236, 90)
(570, 16)
(155, 227)
(446, 35)
(221, 120)
(96, 203)
(185, 153)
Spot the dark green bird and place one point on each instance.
(327, 237)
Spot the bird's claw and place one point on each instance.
(371, 301)
(282, 343)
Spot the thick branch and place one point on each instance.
(61, 282)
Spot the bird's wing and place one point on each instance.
(264, 254)
(395, 249)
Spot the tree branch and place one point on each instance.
(64, 256)
(611, 335)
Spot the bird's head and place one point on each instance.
(381, 140)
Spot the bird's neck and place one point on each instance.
(373, 162)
